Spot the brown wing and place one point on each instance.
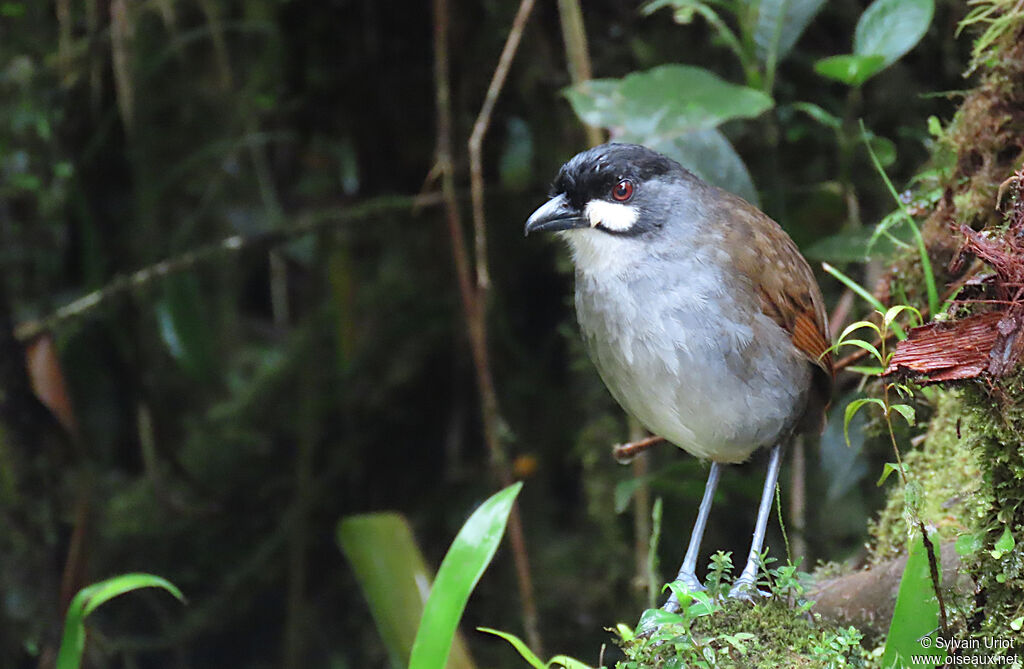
(787, 290)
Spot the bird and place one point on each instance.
(700, 314)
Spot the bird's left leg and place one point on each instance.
(747, 580)
(688, 572)
(623, 453)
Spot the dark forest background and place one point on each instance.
(213, 421)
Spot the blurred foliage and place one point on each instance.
(228, 416)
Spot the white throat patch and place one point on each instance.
(614, 216)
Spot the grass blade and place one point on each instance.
(462, 567)
(395, 580)
(89, 599)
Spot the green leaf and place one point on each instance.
(567, 662)
(867, 346)
(887, 469)
(850, 69)
(891, 28)
(462, 567)
(709, 155)
(884, 148)
(916, 613)
(851, 410)
(654, 618)
(855, 246)
(675, 109)
(666, 100)
(866, 370)
(818, 114)
(520, 646)
(853, 327)
(904, 410)
(185, 328)
(88, 599)
(395, 580)
(1004, 544)
(968, 544)
(779, 25)
(892, 312)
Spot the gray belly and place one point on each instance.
(717, 386)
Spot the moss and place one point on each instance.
(769, 634)
(996, 416)
(946, 482)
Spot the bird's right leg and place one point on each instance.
(688, 572)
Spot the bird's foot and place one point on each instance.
(624, 453)
(687, 583)
(652, 619)
(745, 588)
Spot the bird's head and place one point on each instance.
(615, 189)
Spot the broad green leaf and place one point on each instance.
(842, 465)
(675, 109)
(851, 410)
(185, 328)
(968, 544)
(904, 410)
(780, 24)
(709, 155)
(517, 643)
(652, 619)
(395, 580)
(850, 69)
(891, 28)
(460, 570)
(667, 100)
(595, 102)
(88, 599)
(916, 613)
(856, 245)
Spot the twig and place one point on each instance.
(476, 140)
(577, 54)
(125, 283)
(474, 296)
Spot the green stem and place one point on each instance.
(926, 263)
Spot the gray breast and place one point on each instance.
(673, 352)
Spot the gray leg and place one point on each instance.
(748, 577)
(688, 572)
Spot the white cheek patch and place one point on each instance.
(612, 215)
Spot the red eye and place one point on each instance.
(622, 191)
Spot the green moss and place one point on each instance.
(777, 631)
(768, 634)
(996, 417)
(945, 476)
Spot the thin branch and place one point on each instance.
(577, 54)
(476, 140)
(474, 302)
(125, 283)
